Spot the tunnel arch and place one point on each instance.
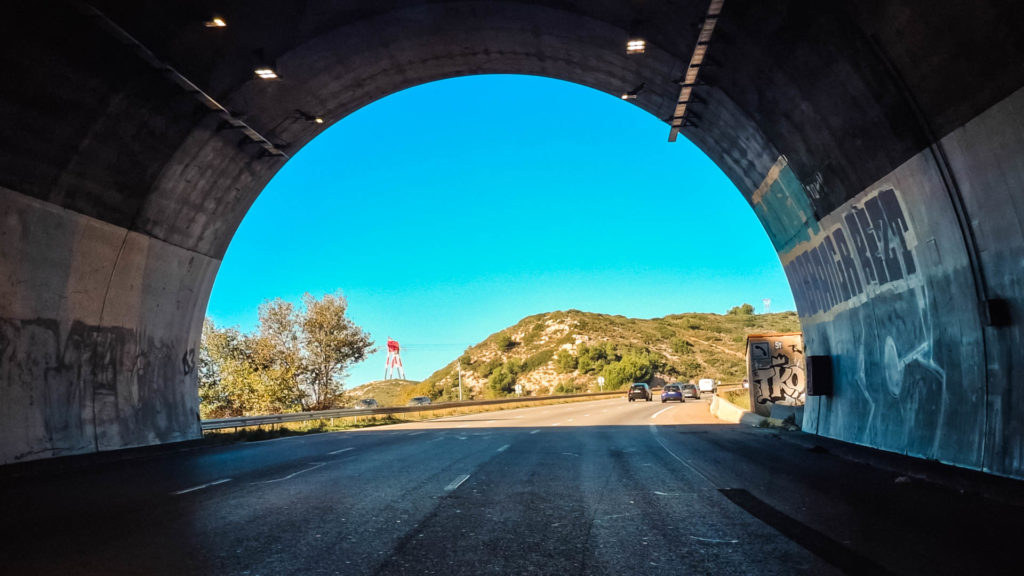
(878, 143)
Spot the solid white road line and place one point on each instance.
(418, 433)
(207, 485)
(660, 411)
(292, 475)
(340, 451)
(503, 448)
(686, 463)
(456, 483)
(716, 540)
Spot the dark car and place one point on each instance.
(366, 404)
(419, 401)
(639, 391)
(671, 392)
(690, 391)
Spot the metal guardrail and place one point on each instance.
(247, 421)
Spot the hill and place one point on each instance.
(386, 392)
(566, 351)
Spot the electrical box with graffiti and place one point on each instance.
(775, 370)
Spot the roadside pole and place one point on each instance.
(460, 380)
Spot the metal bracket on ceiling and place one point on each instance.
(689, 81)
(184, 83)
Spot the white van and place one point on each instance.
(706, 385)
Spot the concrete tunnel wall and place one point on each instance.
(880, 144)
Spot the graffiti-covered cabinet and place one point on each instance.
(775, 370)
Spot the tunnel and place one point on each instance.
(880, 144)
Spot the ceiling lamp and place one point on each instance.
(266, 73)
(632, 94)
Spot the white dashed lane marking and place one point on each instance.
(660, 411)
(292, 475)
(200, 487)
(456, 483)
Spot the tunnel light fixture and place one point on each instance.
(266, 73)
(215, 22)
(636, 46)
(632, 94)
(314, 118)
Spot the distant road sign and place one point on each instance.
(600, 380)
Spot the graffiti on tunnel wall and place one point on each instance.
(869, 248)
(775, 370)
(88, 387)
(890, 373)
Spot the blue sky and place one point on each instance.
(451, 210)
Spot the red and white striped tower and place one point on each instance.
(394, 361)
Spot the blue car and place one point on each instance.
(672, 392)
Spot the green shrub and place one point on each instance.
(501, 382)
(565, 362)
(537, 360)
(689, 368)
(504, 342)
(534, 334)
(488, 368)
(594, 358)
(568, 388)
(681, 346)
(515, 366)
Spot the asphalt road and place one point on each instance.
(604, 487)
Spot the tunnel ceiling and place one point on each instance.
(845, 90)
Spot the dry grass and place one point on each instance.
(316, 426)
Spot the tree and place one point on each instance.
(277, 353)
(296, 360)
(235, 381)
(743, 310)
(635, 366)
(330, 343)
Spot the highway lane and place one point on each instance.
(603, 487)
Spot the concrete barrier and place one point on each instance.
(782, 411)
(725, 410)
